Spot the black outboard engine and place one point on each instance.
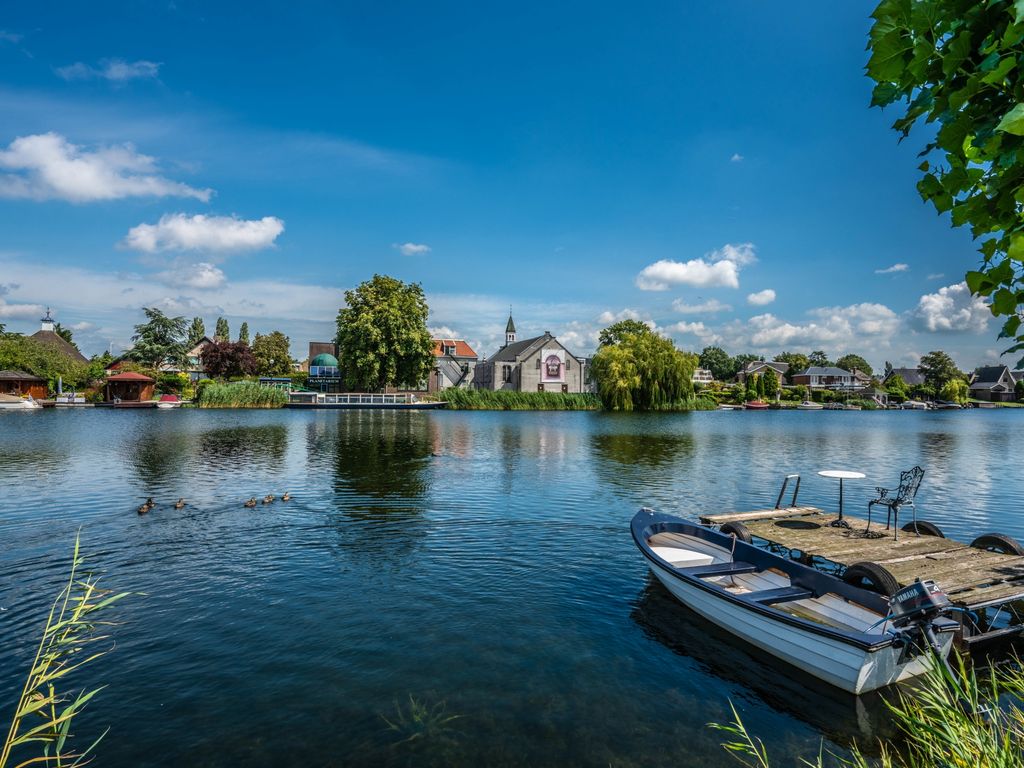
(913, 608)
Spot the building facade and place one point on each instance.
(760, 368)
(830, 377)
(538, 364)
(454, 365)
(994, 383)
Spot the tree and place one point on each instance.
(938, 369)
(852, 362)
(818, 359)
(1018, 390)
(751, 389)
(196, 332)
(956, 391)
(797, 362)
(382, 335)
(897, 388)
(228, 359)
(771, 384)
(643, 371)
(221, 331)
(957, 65)
(615, 332)
(23, 353)
(243, 334)
(717, 360)
(272, 354)
(159, 340)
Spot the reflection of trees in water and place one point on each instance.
(156, 458)
(644, 450)
(842, 717)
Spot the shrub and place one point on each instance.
(508, 400)
(239, 394)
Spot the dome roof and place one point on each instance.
(325, 359)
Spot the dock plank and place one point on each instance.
(758, 514)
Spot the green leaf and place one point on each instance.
(884, 94)
(1013, 121)
(977, 282)
(1000, 72)
(1004, 302)
(1018, 9)
(955, 51)
(1010, 328)
(1016, 250)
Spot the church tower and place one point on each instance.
(510, 330)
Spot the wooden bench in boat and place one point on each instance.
(779, 595)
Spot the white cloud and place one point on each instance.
(443, 332)
(759, 299)
(936, 275)
(607, 316)
(830, 328)
(203, 276)
(48, 167)
(115, 70)
(697, 329)
(893, 269)
(736, 158)
(717, 269)
(412, 249)
(214, 234)
(710, 307)
(951, 309)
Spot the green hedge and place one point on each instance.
(239, 394)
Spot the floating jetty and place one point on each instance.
(987, 585)
(361, 400)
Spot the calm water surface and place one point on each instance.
(477, 564)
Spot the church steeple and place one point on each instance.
(510, 329)
(47, 322)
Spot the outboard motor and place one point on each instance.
(916, 606)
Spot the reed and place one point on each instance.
(240, 394)
(44, 712)
(508, 400)
(949, 721)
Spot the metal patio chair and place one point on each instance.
(910, 483)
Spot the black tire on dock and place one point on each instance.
(739, 530)
(924, 528)
(873, 577)
(998, 542)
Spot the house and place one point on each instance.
(193, 365)
(861, 380)
(454, 364)
(826, 377)
(702, 376)
(22, 384)
(912, 377)
(994, 383)
(129, 387)
(48, 336)
(760, 367)
(539, 364)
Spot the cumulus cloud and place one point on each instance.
(710, 307)
(760, 298)
(613, 317)
(16, 311)
(697, 329)
(830, 328)
(893, 269)
(213, 234)
(412, 249)
(48, 167)
(115, 70)
(203, 276)
(951, 309)
(719, 268)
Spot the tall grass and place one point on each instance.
(947, 722)
(44, 713)
(508, 400)
(240, 394)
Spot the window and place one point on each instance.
(449, 350)
(506, 373)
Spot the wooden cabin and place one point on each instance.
(129, 387)
(21, 384)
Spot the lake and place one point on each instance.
(435, 564)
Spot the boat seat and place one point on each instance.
(780, 595)
(682, 558)
(720, 569)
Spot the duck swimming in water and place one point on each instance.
(286, 496)
(179, 503)
(148, 505)
(268, 498)
(251, 502)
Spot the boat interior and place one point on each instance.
(767, 586)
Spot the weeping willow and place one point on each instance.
(643, 371)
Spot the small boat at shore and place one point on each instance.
(168, 401)
(844, 635)
(756, 405)
(15, 403)
(914, 405)
(727, 407)
(809, 405)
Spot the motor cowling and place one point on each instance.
(918, 603)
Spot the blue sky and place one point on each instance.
(713, 169)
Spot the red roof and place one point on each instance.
(169, 399)
(462, 349)
(129, 376)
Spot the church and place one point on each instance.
(540, 364)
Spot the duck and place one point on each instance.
(251, 502)
(179, 503)
(148, 505)
(268, 498)
(286, 496)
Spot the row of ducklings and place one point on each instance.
(268, 499)
(149, 504)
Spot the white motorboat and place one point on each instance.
(15, 403)
(809, 405)
(842, 634)
(914, 405)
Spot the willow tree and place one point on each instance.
(382, 335)
(640, 370)
(957, 64)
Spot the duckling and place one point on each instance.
(251, 502)
(268, 498)
(286, 496)
(148, 505)
(179, 503)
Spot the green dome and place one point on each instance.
(325, 360)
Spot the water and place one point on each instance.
(477, 564)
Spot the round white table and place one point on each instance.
(842, 474)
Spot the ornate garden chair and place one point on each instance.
(910, 483)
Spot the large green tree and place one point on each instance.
(938, 369)
(850, 362)
(196, 332)
(897, 388)
(643, 371)
(243, 334)
(272, 354)
(798, 363)
(161, 339)
(955, 390)
(382, 335)
(771, 384)
(615, 332)
(23, 353)
(717, 360)
(222, 332)
(819, 359)
(956, 65)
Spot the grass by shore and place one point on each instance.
(240, 394)
(507, 400)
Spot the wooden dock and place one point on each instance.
(975, 579)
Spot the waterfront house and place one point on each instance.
(46, 335)
(193, 363)
(826, 377)
(454, 364)
(760, 367)
(912, 377)
(22, 384)
(129, 387)
(538, 364)
(994, 383)
(702, 376)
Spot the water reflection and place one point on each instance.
(842, 717)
